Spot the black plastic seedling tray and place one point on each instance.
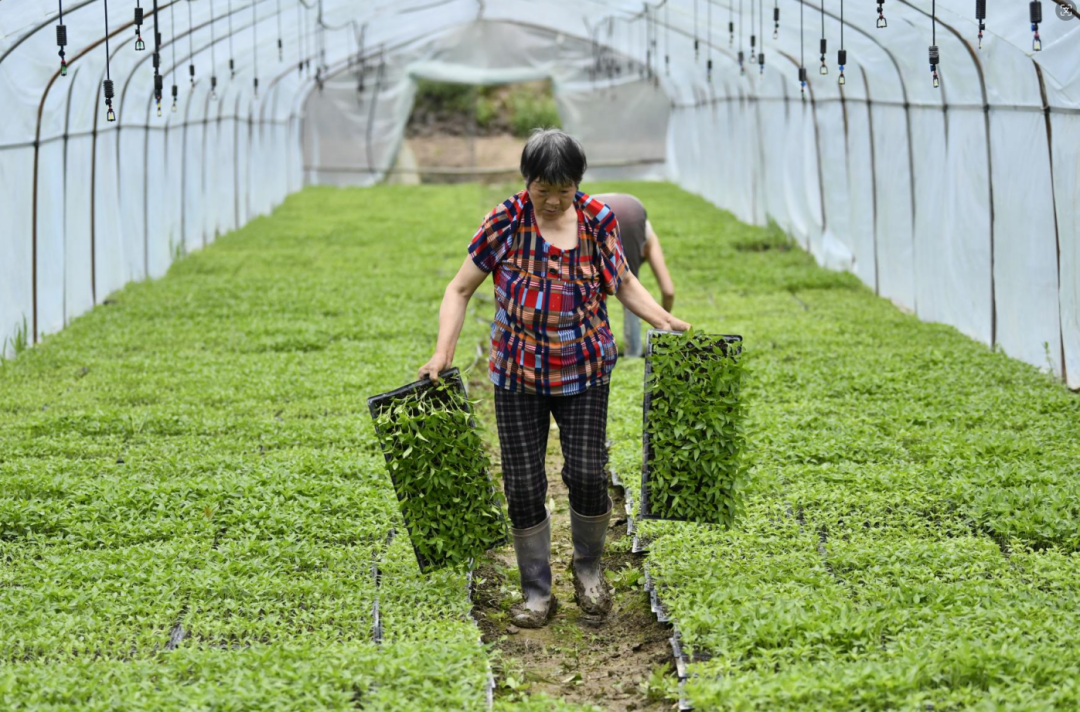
(376, 404)
(730, 341)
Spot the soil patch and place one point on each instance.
(621, 663)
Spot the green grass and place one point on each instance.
(200, 452)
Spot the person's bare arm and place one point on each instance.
(451, 317)
(637, 299)
(655, 257)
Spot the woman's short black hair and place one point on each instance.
(553, 156)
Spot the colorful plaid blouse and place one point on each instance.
(551, 334)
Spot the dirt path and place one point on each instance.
(621, 663)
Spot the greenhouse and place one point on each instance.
(818, 453)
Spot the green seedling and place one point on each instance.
(696, 428)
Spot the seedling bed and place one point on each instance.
(471, 489)
(730, 345)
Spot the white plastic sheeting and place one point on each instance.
(957, 202)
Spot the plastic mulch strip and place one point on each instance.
(464, 494)
(729, 344)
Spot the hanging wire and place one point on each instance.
(191, 46)
(742, 56)
(255, 44)
(232, 63)
(980, 15)
(61, 38)
(1035, 15)
(753, 35)
(139, 44)
(731, 24)
(935, 55)
(172, 21)
(696, 42)
(802, 51)
(300, 35)
(280, 44)
(667, 38)
(110, 92)
(761, 31)
(158, 79)
(824, 46)
(708, 45)
(213, 55)
(841, 55)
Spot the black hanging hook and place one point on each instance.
(61, 38)
(753, 36)
(139, 44)
(824, 43)
(935, 54)
(841, 55)
(1035, 13)
(110, 91)
(980, 15)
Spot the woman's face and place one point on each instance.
(551, 201)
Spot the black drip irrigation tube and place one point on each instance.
(489, 683)
(376, 575)
(640, 547)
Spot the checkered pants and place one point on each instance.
(524, 420)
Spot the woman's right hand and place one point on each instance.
(435, 365)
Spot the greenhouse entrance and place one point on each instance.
(461, 132)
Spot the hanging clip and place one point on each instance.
(802, 82)
(281, 52)
(708, 71)
(175, 93)
(841, 59)
(824, 67)
(742, 67)
(761, 61)
(776, 23)
(1035, 12)
(935, 59)
(191, 71)
(881, 14)
(697, 50)
(753, 52)
(213, 86)
(158, 87)
(731, 31)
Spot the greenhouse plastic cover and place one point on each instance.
(959, 203)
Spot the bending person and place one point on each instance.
(640, 243)
(556, 255)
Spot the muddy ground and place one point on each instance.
(621, 663)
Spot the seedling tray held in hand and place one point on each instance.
(650, 509)
(473, 491)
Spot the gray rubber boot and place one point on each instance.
(533, 549)
(589, 533)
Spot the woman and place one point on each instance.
(556, 254)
